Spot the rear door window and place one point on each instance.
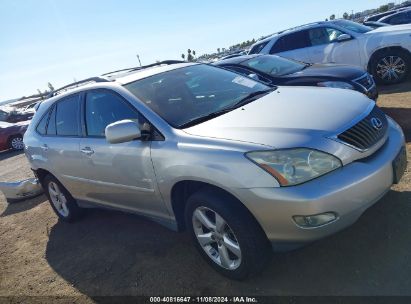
(293, 41)
(67, 116)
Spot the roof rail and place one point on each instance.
(144, 67)
(76, 84)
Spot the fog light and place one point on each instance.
(312, 221)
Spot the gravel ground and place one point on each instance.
(111, 253)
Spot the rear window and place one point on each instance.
(41, 127)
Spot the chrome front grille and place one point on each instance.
(366, 81)
(367, 132)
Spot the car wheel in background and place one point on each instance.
(226, 234)
(63, 204)
(391, 66)
(16, 143)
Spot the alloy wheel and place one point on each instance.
(216, 238)
(17, 143)
(58, 199)
(391, 68)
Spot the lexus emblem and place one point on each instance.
(376, 123)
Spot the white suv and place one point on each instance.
(384, 52)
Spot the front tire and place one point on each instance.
(226, 234)
(391, 66)
(63, 204)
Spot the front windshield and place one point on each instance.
(185, 94)
(274, 65)
(353, 26)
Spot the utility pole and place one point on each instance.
(138, 57)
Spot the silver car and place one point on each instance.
(243, 167)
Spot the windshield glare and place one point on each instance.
(353, 26)
(184, 94)
(274, 65)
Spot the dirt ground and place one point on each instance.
(111, 253)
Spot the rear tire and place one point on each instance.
(63, 204)
(391, 66)
(232, 241)
(16, 143)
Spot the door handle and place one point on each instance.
(87, 150)
(45, 148)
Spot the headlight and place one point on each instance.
(295, 166)
(336, 84)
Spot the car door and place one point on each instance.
(117, 175)
(325, 48)
(61, 141)
(294, 46)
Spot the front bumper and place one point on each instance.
(348, 192)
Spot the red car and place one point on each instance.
(11, 135)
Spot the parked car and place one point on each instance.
(11, 135)
(377, 17)
(384, 52)
(275, 70)
(12, 115)
(239, 164)
(374, 24)
(402, 17)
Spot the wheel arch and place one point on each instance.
(182, 190)
(383, 50)
(42, 173)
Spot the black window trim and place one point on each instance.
(126, 102)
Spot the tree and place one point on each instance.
(183, 56)
(326, 19)
(218, 50)
(345, 15)
(383, 8)
(332, 17)
(190, 57)
(194, 53)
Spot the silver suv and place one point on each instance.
(242, 166)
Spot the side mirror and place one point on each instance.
(343, 37)
(122, 131)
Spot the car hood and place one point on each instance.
(330, 70)
(390, 29)
(289, 116)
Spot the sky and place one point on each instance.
(57, 41)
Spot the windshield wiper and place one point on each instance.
(249, 98)
(197, 120)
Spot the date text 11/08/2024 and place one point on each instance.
(203, 300)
